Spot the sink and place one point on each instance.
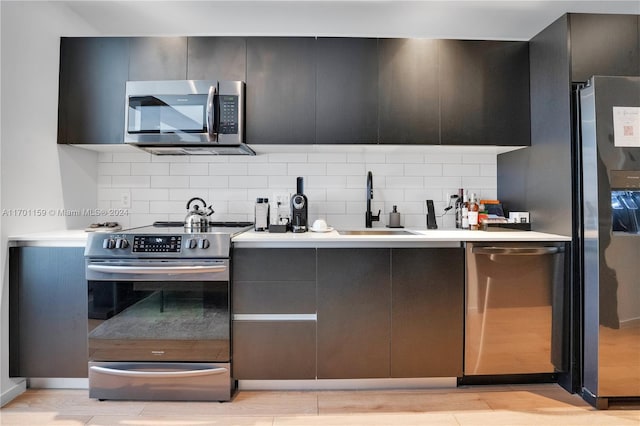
(377, 232)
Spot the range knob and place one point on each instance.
(108, 243)
(122, 243)
(204, 243)
(192, 243)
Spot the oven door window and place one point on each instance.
(167, 114)
(159, 321)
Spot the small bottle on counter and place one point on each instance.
(262, 214)
(458, 208)
(464, 212)
(474, 210)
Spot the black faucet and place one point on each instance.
(369, 217)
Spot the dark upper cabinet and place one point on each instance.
(603, 45)
(347, 91)
(427, 314)
(408, 93)
(354, 302)
(484, 93)
(47, 312)
(219, 58)
(157, 58)
(93, 73)
(281, 90)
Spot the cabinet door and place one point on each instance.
(603, 45)
(347, 91)
(354, 303)
(47, 312)
(93, 73)
(428, 311)
(281, 84)
(409, 107)
(274, 286)
(274, 350)
(158, 58)
(216, 58)
(484, 93)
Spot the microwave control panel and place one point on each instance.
(228, 114)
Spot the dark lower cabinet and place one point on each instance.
(47, 312)
(274, 350)
(354, 305)
(427, 314)
(93, 74)
(381, 313)
(272, 290)
(157, 58)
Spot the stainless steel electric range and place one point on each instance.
(159, 313)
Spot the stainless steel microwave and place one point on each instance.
(186, 117)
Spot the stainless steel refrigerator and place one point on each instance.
(610, 234)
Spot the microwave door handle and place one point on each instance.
(212, 114)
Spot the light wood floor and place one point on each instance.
(538, 405)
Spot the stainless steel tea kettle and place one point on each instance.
(197, 220)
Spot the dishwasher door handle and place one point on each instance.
(516, 251)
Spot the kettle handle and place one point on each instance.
(204, 205)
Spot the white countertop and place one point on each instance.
(421, 238)
(61, 238)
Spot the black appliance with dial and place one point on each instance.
(299, 208)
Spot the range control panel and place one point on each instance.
(157, 243)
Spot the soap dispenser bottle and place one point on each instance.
(394, 218)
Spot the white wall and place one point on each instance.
(36, 174)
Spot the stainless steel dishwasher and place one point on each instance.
(510, 308)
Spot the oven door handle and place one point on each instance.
(158, 374)
(122, 269)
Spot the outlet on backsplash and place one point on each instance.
(125, 200)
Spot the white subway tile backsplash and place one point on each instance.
(461, 170)
(188, 169)
(334, 182)
(385, 169)
(169, 181)
(114, 169)
(307, 169)
(479, 159)
(423, 170)
(346, 169)
(130, 181)
(327, 158)
(149, 169)
(404, 182)
(228, 169)
(267, 169)
(208, 182)
(405, 158)
(248, 182)
(147, 194)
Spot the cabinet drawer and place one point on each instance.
(274, 297)
(252, 264)
(274, 350)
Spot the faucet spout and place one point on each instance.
(370, 217)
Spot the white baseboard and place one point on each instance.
(15, 390)
(58, 383)
(349, 384)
